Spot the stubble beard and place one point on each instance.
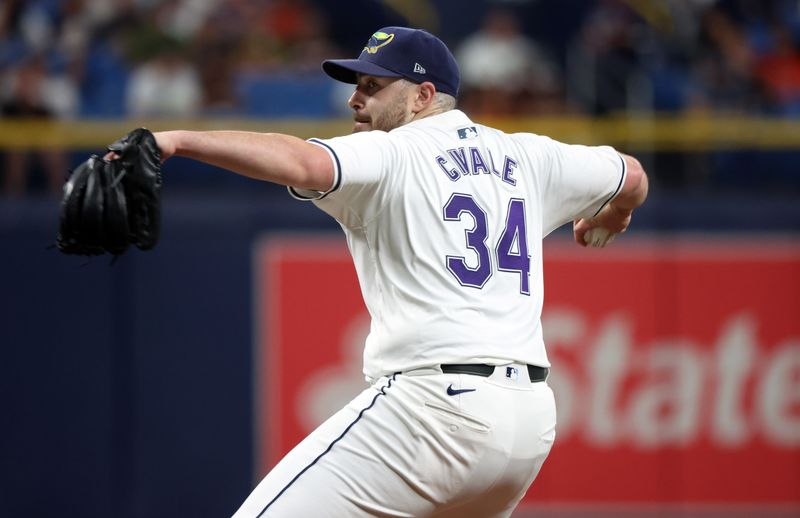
(394, 116)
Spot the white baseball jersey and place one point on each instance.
(445, 219)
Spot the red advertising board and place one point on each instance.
(676, 365)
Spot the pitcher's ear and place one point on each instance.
(425, 93)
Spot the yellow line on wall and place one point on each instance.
(636, 133)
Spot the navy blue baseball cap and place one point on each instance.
(414, 54)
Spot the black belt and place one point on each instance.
(480, 369)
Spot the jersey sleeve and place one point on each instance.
(578, 181)
(361, 177)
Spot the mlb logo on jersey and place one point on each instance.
(467, 133)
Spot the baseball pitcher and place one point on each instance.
(444, 218)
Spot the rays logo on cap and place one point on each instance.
(378, 40)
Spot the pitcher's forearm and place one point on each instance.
(634, 192)
(273, 157)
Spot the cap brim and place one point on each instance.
(347, 70)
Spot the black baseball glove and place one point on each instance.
(109, 204)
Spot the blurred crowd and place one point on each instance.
(111, 58)
(197, 58)
(670, 55)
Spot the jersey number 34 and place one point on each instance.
(511, 250)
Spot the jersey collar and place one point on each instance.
(450, 117)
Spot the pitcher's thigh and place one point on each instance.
(355, 464)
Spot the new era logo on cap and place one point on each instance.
(419, 69)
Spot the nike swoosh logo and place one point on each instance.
(452, 392)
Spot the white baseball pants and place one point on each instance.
(405, 447)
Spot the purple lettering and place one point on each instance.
(508, 170)
(477, 161)
(451, 173)
(459, 156)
